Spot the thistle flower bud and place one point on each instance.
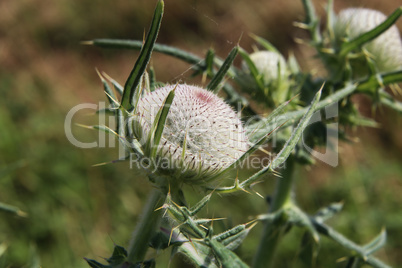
(271, 85)
(269, 64)
(386, 49)
(202, 134)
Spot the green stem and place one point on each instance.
(289, 118)
(312, 21)
(346, 243)
(146, 226)
(274, 229)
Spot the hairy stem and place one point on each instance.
(273, 230)
(146, 226)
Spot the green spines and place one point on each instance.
(220, 245)
(109, 92)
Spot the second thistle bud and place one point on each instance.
(270, 65)
(385, 50)
(272, 73)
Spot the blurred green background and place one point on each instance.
(76, 210)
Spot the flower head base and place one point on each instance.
(202, 134)
(386, 49)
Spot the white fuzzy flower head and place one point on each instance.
(269, 64)
(202, 134)
(386, 49)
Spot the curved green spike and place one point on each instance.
(143, 59)
(218, 77)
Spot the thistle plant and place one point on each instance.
(187, 134)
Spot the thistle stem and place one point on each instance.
(146, 227)
(273, 230)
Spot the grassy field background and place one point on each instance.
(75, 210)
